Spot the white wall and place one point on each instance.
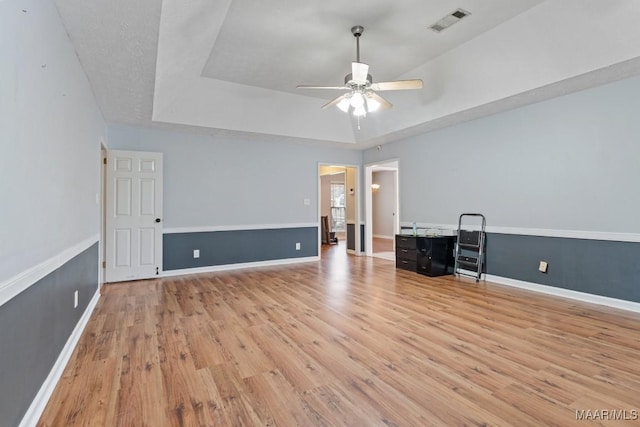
(216, 181)
(383, 203)
(325, 195)
(570, 163)
(50, 132)
(351, 198)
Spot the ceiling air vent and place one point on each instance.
(449, 20)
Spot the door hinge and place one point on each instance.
(104, 160)
(157, 273)
(104, 264)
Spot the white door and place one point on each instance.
(133, 231)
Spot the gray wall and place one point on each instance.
(598, 267)
(570, 163)
(351, 237)
(383, 203)
(50, 133)
(35, 326)
(239, 246)
(219, 181)
(566, 164)
(211, 181)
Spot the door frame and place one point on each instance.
(103, 215)
(368, 201)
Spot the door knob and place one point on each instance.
(157, 219)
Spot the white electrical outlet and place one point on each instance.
(307, 202)
(196, 253)
(298, 246)
(75, 299)
(543, 267)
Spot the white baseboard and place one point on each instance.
(38, 404)
(381, 236)
(213, 268)
(18, 283)
(566, 293)
(471, 274)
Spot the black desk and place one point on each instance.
(431, 256)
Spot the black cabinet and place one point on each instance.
(431, 256)
(406, 252)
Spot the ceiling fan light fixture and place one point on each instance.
(360, 111)
(357, 100)
(372, 104)
(344, 104)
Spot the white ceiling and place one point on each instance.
(230, 67)
(311, 42)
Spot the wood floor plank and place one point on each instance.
(238, 408)
(301, 371)
(339, 408)
(344, 341)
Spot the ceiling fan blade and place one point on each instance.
(359, 72)
(398, 85)
(322, 87)
(376, 102)
(334, 101)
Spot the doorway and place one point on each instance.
(338, 209)
(382, 207)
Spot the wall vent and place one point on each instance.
(449, 20)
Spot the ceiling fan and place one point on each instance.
(361, 96)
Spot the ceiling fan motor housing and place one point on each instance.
(348, 81)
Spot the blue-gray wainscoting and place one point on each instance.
(34, 327)
(351, 237)
(237, 246)
(598, 267)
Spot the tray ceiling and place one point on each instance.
(231, 66)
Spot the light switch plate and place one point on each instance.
(196, 253)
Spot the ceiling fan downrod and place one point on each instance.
(357, 32)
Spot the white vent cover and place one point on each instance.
(449, 20)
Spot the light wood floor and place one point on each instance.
(345, 341)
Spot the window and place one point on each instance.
(337, 207)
